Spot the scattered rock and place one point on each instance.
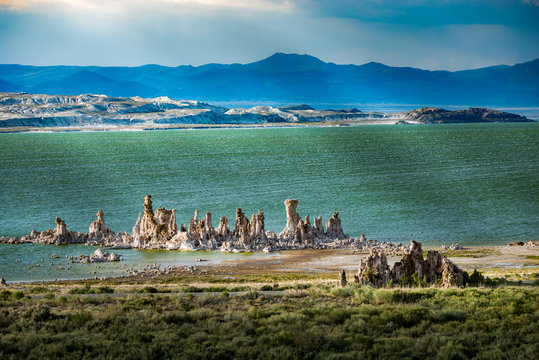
(453, 247)
(3, 282)
(530, 244)
(99, 256)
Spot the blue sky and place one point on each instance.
(435, 34)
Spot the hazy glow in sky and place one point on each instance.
(432, 34)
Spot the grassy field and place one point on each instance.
(256, 317)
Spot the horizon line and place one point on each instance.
(276, 53)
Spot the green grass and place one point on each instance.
(87, 289)
(305, 322)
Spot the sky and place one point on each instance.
(430, 34)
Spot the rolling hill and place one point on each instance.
(287, 78)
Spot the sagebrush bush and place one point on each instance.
(354, 322)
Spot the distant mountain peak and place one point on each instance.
(292, 56)
(287, 62)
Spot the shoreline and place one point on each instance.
(184, 127)
(283, 125)
(510, 262)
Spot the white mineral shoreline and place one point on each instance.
(18, 130)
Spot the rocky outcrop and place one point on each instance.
(334, 228)
(158, 230)
(150, 226)
(256, 226)
(530, 244)
(318, 228)
(223, 230)
(99, 256)
(304, 232)
(342, 280)
(362, 245)
(412, 268)
(375, 270)
(241, 229)
(472, 115)
(59, 236)
(98, 230)
(292, 219)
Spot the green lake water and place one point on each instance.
(474, 184)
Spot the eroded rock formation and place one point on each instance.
(292, 219)
(342, 280)
(412, 268)
(374, 270)
(158, 230)
(160, 226)
(334, 228)
(59, 236)
(98, 230)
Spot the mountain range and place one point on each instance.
(287, 78)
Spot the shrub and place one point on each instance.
(16, 295)
(475, 279)
(251, 295)
(80, 318)
(347, 291)
(103, 290)
(339, 315)
(283, 338)
(403, 296)
(255, 313)
(42, 314)
(191, 289)
(148, 290)
(5, 295)
(450, 315)
(40, 290)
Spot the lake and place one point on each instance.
(18, 262)
(473, 184)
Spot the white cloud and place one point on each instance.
(108, 6)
